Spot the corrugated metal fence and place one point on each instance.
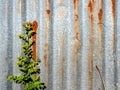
(78, 42)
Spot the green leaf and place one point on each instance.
(31, 42)
(31, 33)
(24, 38)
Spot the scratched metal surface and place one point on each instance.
(78, 42)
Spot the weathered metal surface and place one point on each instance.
(77, 42)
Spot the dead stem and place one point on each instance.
(101, 77)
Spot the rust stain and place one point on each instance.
(76, 48)
(62, 60)
(91, 46)
(76, 27)
(34, 27)
(77, 39)
(19, 6)
(34, 47)
(62, 70)
(91, 6)
(100, 27)
(75, 2)
(76, 18)
(46, 47)
(113, 13)
(113, 8)
(47, 4)
(100, 15)
(48, 11)
(46, 55)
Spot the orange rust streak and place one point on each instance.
(77, 40)
(91, 6)
(46, 48)
(34, 27)
(48, 11)
(100, 17)
(46, 54)
(47, 4)
(91, 47)
(113, 13)
(76, 26)
(74, 2)
(113, 8)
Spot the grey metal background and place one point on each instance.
(73, 37)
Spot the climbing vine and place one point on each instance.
(26, 63)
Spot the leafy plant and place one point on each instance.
(26, 64)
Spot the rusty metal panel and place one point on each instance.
(77, 42)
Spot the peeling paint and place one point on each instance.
(91, 46)
(34, 27)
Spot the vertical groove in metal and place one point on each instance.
(117, 54)
(9, 42)
(46, 38)
(91, 5)
(50, 77)
(108, 45)
(84, 46)
(73, 38)
(59, 14)
(17, 28)
(98, 46)
(41, 36)
(71, 64)
(80, 36)
(3, 44)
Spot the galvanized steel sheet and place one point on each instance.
(78, 42)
